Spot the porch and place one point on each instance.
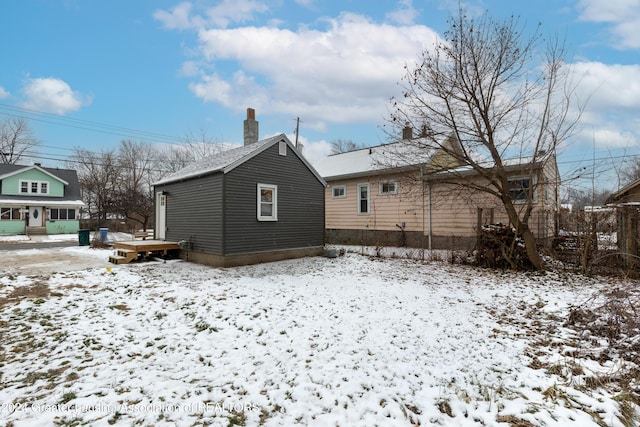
(139, 249)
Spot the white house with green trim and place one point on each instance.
(37, 200)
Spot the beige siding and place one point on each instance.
(453, 210)
(385, 211)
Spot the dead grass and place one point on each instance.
(513, 421)
(38, 289)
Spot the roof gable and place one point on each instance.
(626, 193)
(7, 171)
(228, 160)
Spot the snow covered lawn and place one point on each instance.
(351, 341)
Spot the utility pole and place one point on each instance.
(297, 130)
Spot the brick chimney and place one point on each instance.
(407, 133)
(250, 127)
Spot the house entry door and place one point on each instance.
(161, 215)
(35, 216)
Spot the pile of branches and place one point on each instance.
(499, 247)
(613, 315)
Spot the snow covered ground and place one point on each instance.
(350, 341)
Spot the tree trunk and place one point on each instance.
(523, 230)
(531, 246)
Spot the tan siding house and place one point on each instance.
(372, 201)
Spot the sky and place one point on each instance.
(89, 73)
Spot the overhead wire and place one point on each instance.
(155, 137)
(88, 125)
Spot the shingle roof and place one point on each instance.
(227, 160)
(373, 159)
(69, 176)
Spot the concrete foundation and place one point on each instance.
(411, 239)
(250, 258)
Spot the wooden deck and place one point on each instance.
(136, 249)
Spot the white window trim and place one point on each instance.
(383, 193)
(282, 148)
(11, 209)
(368, 198)
(533, 181)
(29, 187)
(274, 215)
(75, 214)
(344, 193)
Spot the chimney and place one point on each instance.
(38, 164)
(407, 133)
(250, 127)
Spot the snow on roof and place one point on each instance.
(221, 162)
(378, 158)
(48, 201)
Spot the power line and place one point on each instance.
(92, 126)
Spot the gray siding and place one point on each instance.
(194, 212)
(300, 205)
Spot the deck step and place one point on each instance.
(126, 251)
(123, 256)
(116, 259)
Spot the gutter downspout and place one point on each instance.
(429, 211)
(422, 176)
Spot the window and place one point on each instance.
(388, 187)
(282, 148)
(267, 202)
(339, 191)
(519, 189)
(9, 214)
(34, 187)
(363, 198)
(55, 213)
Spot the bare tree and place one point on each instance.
(99, 177)
(16, 139)
(196, 146)
(483, 86)
(630, 170)
(344, 145)
(133, 196)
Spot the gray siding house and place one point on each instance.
(256, 203)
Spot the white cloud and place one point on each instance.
(608, 86)
(212, 88)
(612, 95)
(343, 73)
(178, 18)
(221, 15)
(52, 95)
(313, 151)
(623, 15)
(232, 11)
(405, 14)
(3, 93)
